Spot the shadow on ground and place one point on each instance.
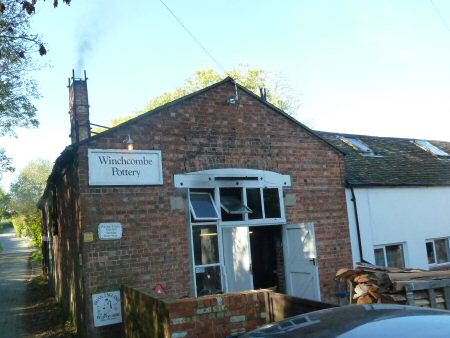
(43, 316)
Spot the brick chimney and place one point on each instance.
(80, 127)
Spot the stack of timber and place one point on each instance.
(373, 284)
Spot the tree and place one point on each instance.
(25, 193)
(4, 205)
(252, 79)
(18, 45)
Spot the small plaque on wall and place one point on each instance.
(107, 308)
(109, 231)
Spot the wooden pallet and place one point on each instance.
(431, 293)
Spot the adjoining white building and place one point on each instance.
(398, 199)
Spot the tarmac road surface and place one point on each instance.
(14, 272)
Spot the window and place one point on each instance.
(232, 203)
(206, 259)
(427, 146)
(438, 251)
(357, 144)
(271, 203)
(390, 256)
(202, 206)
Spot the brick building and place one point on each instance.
(215, 192)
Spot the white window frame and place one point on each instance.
(193, 211)
(254, 222)
(432, 240)
(383, 246)
(195, 266)
(235, 178)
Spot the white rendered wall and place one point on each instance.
(399, 215)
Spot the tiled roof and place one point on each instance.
(394, 161)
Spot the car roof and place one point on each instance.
(371, 320)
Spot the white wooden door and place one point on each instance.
(300, 261)
(237, 259)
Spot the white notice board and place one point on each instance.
(107, 308)
(124, 167)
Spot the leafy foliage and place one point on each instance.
(252, 79)
(25, 193)
(18, 45)
(4, 205)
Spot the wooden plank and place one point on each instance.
(402, 276)
(447, 297)
(410, 298)
(422, 285)
(432, 297)
(269, 310)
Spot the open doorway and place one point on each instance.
(266, 251)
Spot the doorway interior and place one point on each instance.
(266, 256)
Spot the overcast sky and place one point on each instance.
(369, 67)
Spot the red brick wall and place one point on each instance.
(218, 316)
(63, 225)
(200, 133)
(147, 314)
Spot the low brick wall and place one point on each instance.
(147, 314)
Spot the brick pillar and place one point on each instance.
(80, 127)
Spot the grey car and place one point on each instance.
(362, 321)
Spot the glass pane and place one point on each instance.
(227, 193)
(233, 205)
(271, 203)
(202, 206)
(431, 148)
(205, 244)
(357, 144)
(394, 255)
(254, 203)
(441, 250)
(379, 257)
(430, 253)
(208, 280)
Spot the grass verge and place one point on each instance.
(43, 315)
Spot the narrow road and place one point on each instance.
(14, 273)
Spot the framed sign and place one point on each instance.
(108, 231)
(107, 308)
(124, 167)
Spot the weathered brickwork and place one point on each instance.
(147, 314)
(202, 132)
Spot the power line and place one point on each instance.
(440, 15)
(193, 37)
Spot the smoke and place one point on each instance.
(84, 51)
(92, 30)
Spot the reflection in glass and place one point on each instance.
(441, 246)
(208, 280)
(379, 257)
(394, 255)
(430, 253)
(254, 203)
(271, 203)
(205, 244)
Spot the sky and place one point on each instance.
(365, 67)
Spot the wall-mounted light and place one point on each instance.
(129, 142)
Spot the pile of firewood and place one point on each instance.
(370, 284)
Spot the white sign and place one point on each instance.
(125, 167)
(109, 231)
(107, 308)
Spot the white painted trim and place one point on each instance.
(211, 178)
(286, 272)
